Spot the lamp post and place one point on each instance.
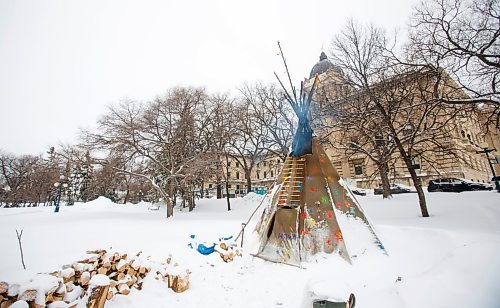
(140, 194)
(68, 200)
(486, 150)
(59, 185)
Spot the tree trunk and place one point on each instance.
(416, 181)
(407, 160)
(192, 204)
(170, 205)
(249, 181)
(227, 197)
(384, 176)
(219, 188)
(420, 192)
(126, 196)
(202, 189)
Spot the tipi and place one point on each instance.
(311, 211)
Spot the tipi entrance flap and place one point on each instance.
(282, 244)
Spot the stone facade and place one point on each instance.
(466, 137)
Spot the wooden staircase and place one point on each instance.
(293, 182)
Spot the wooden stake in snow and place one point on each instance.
(19, 235)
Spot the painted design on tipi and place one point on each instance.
(312, 211)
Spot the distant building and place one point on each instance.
(263, 175)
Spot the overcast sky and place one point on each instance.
(62, 62)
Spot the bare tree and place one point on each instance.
(352, 125)
(165, 136)
(460, 36)
(248, 143)
(402, 96)
(272, 112)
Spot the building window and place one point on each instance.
(257, 175)
(237, 164)
(229, 164)
(264, 163)
(272, 174)
(463, 134)
(379, 140)
(358, 169)
(210, 185)
(237, 186)
(237, 175)
(265, 174)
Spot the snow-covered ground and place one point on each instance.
(448, 260)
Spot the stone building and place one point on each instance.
(262, 176)
(466, 137)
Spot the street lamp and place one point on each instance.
(486, 150)
(59, 185)
(68, 200)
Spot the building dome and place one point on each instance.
(324, 65)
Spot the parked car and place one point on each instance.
(395, 189)
(455, 185)
(477, 185)
(359, 191)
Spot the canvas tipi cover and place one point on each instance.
(312, 211)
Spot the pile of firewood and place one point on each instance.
(92, 281)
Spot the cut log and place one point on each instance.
(28, 295)
(20, 304)
(7, 303)
(123, 288)
(73, 295)
(122, 265)
(54, 298)
(98, 289)
(143, 270)
(68, 274)
(228, 257)
(4, 287)
(138, 286)
(135, 264)
(13, 290)
(112, 274)
(110, 295)
(85, 278)
(70, 286)
(131, 271)
(178, 283)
